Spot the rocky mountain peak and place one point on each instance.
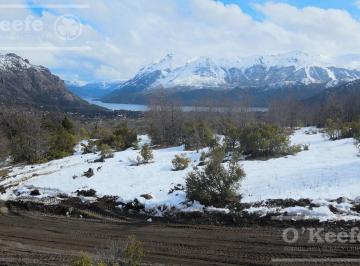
(28, 85)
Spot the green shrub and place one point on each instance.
(36, 138)
(83, 260)
(128, 136)
(106, 151)
(62, 144)
(27, 139)
(101, 133)
(197, 135)
(146, 153)
(180, 162)
(91, 147)
(332, 129)
(336, 130)
(203, 156)
(292, 150)
(215, 185)
(355, 129)
(134, 252)
(115, 142)
(258, 140)
(346, 130)
(23, 149)
(232, 139)
(121, 139)
(67, 124)
(84, 133)
(264, 140)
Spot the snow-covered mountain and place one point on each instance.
(268, 72)
(95, 89)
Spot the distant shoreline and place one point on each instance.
(144, 108)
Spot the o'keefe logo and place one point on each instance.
(319, 235)
(68, 27)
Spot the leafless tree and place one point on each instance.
(165, 120)
(286, 112)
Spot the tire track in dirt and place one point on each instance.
(29, 238)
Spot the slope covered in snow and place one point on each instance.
(202, 72)
(296, 59)
(329, 170)
(165, 64)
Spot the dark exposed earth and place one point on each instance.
(31, 237)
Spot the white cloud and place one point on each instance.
(125, 35)
(107, 73)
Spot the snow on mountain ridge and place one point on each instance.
(269, 71)
(8, 61)
(13, 62)
(214, 73)
(296, 59)
(163, 64)
(202, 71)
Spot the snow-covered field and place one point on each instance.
(327, 171)
(330, 169)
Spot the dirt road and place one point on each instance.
(28, 238)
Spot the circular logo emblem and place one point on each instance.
(68, 27)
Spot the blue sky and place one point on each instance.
(118, 37)
(348, 5)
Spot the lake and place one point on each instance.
(119, 106)
(142, 108)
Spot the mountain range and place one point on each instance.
(23, 84)
(94, 89)
(258, 78)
